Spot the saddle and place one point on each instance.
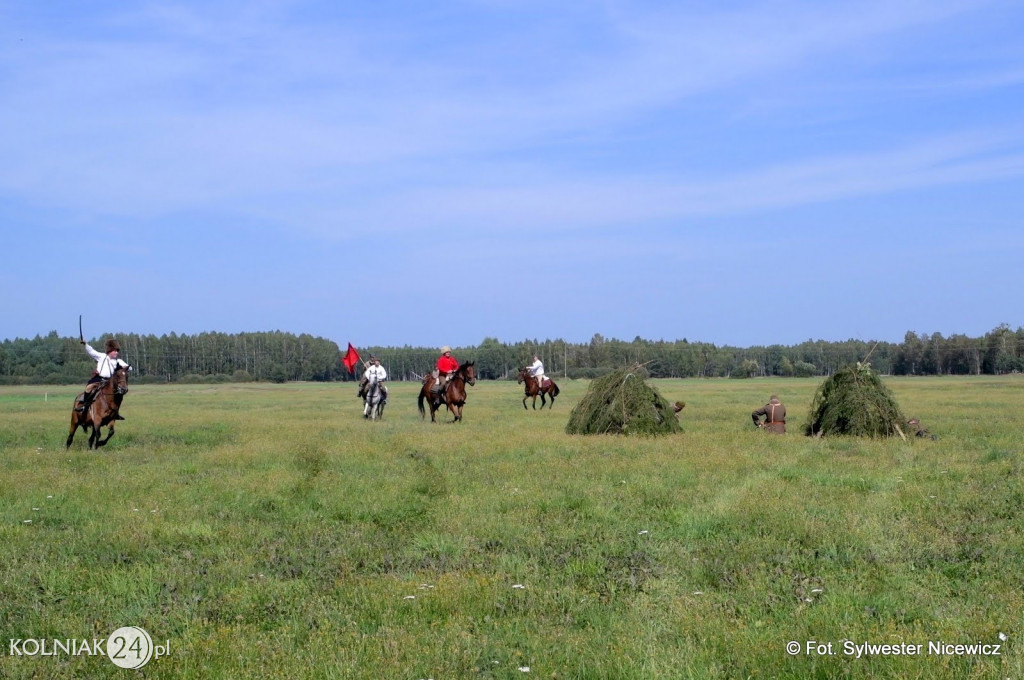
(86, 397)
(436, 392)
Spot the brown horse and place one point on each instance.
(102, 412)
(453, 396)
(534, 388)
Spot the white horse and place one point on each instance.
(373, 402)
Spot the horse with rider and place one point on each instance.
(373, 389)
(446, 384)
(535, 383)
(99, 405)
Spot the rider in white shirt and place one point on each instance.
(106, 364)
(375, 371)
(537, 370)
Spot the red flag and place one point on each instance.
(351, 358)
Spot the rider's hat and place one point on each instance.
(112, 346)
(446, 348)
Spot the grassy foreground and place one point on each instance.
(268, 531)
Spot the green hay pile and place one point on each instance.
(854, 401)
(622, 403)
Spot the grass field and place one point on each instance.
(269, 531)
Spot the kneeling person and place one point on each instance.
(774, 413)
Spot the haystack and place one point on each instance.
(853, 401)
(622, 403)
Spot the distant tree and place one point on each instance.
(803, 369)
(747, 369)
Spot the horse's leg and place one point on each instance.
(110, 433)
(74, 428)
(542, 401)
(524, 402)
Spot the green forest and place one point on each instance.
(278, 356)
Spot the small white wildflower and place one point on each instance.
(35, 509)
(135, 509)
(807, 599)
(1003, 636)
(818, 590)
(698, 592)
(643, 532)
(931, 496)
(519, 586)
(410, 597)
(28, 521)
(524, 669)
(49, 496)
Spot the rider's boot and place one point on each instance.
(86, 400)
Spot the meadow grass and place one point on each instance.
(269, 531)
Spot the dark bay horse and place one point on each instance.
(534, 388)
(454, 394)
(102, 412)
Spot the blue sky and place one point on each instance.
(396, 173)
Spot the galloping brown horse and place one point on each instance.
(102, 412)
(534, 388)
(453, 396)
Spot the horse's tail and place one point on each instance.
(554, 389)
(419, 402)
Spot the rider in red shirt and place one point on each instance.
(446, 365)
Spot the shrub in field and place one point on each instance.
(622, 403)
(854, 401)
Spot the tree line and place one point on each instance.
(278, 357)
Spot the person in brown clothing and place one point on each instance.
(774, 413)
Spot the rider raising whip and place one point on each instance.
(106, 364)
